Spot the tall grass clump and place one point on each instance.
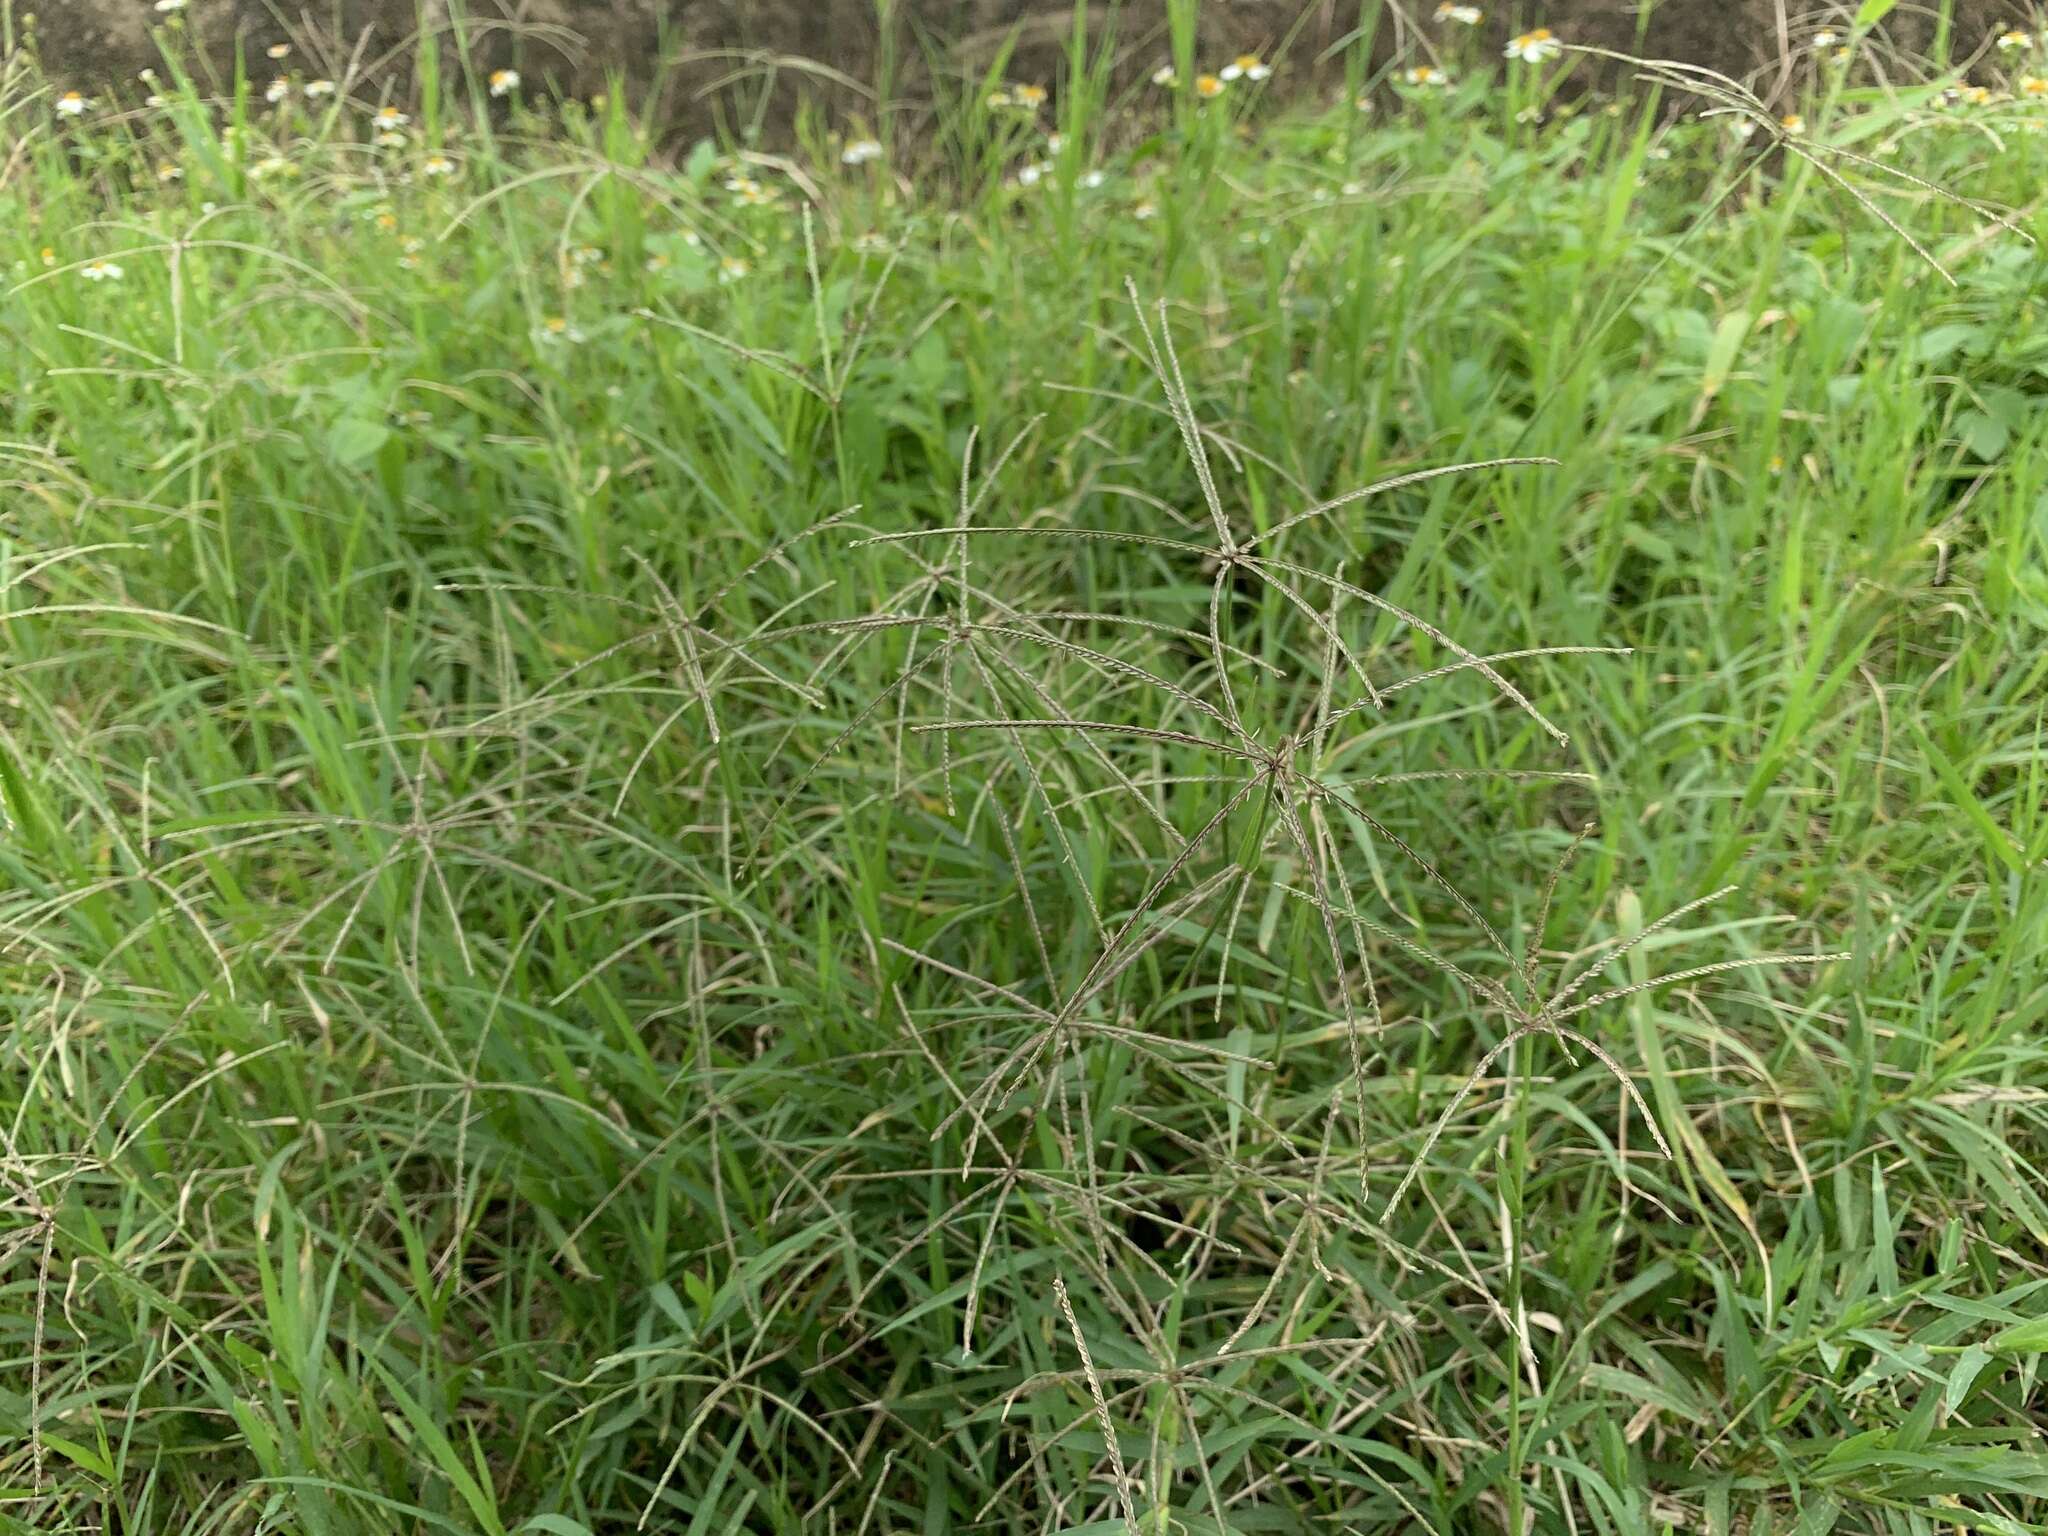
(1168, 810)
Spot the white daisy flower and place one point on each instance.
(392, 138)
(556, 331)
(1533, 47)
(1425, 75)
(101, 271)
(74, 104)
(278, 51)
(1090, 180)
(437, 165)
(504, 81)
(1165, 75)
(1246, 66)
(317, 90)
(860, 152)
(732, 269)
(276, 91)
(388, 118)
(1464, 15)
(1827, 37)
(167, 172)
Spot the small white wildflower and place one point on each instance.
(170, 7)
(860, 152)
(276, 91)
(1165, 75)
(1090, 180)
(317, 89)
(1533, 47)
(168, 172)
(437, 165)
(1031, 175)
(74, 104)
(732, 269)
(1464, 15)
(278, 51)
(1145, 211)
(556, 331)
(1425, 75)
(392, 138)
(1055, 142)
(504, 81)
(1827, 37)
(101, 271)
(1246, 66)
(388, 118)
(152, 100)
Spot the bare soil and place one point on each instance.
(732, 61)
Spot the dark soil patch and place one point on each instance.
(573, 45)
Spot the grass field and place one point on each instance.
(576, 961)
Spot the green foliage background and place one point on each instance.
(534, 1006)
